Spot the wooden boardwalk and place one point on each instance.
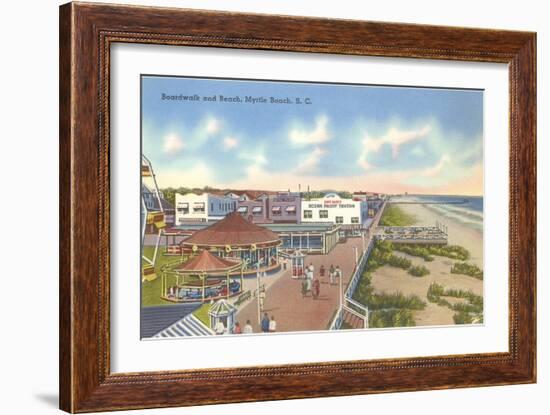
(284, 299)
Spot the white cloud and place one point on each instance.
(172, 143)
(394, 137)
(230, 143)
(319, 134)
(257, 159)
(309, 164)
(213, 126)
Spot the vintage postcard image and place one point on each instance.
(276, 206)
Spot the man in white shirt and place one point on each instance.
(272, 325)
(220, 328)
(248, 328)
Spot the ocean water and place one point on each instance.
(468, 210)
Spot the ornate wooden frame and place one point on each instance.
(86, 33)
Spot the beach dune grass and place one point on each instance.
(395, 216)
(418, 271)
(386, 309)
(382, 254)
(391, 318)
(427, 252)
(468, 312)
(467, 269)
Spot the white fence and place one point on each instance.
(338, 318)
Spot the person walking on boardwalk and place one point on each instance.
(322, 271)
(338, 272)
(316, 289)
(272, 325)
(265, 323)
(304, 287)
(248, 328)
(309, 279)
(331, 273)
(237, 328)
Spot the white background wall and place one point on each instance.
(29, 127)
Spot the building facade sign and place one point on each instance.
(336, 210)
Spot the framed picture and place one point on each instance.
(260, 207)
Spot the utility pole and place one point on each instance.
(341, 290)
(258, 296)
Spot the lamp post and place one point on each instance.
(341, 289)
(258, 287)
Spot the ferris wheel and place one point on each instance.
(152, 219)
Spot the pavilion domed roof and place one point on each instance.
(233, 230)
(207, 263)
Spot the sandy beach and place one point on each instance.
(390, 279)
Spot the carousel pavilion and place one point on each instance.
(235, 238)
(203, 277)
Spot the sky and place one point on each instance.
(325, 136)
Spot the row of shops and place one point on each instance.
(279, 208)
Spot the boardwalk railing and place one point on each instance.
(357, 309)
(338, 318)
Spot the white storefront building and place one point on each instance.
(332, 208)
(191, 207)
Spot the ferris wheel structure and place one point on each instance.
(153, 219)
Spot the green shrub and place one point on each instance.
(467, 269)
(394, 300)
(391, 318)
(450, 251)
(428, 251)
(419, 271)
(382, 254)
(467, 318)
(421, 251)
(399, 262)
(466, 313)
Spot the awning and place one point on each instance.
(242, 209)
(257, 209)
(198, 205)
(291, 209)
(276, 209)
(183, 205)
